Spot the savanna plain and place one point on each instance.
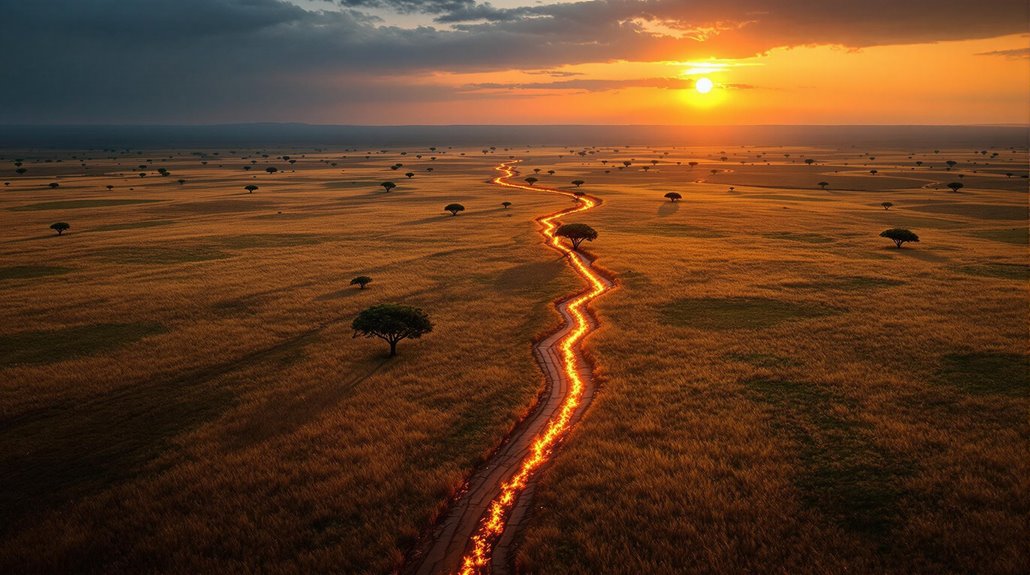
(781, 390)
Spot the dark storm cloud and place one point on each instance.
(211, 60)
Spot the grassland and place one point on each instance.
(782, 391)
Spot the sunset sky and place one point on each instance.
(515, 61)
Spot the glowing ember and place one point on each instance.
(477, 559)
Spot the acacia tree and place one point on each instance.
(576, 233)
(823, 184)
(899, 236)
(956, 186)
(60, 227)
(454, 208)
(531, 180)
(673, 196)
(361, 281)
(392, 323)
(250, 188)
(271, 169)
(578, 183)
(887, 205)
(388, 186)
(506, 204)
(410, 175)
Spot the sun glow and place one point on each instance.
(703, 85)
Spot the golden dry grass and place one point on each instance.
(180, 388)
(782, 392)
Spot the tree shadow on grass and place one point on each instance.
(668, 208)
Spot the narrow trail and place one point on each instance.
(476, 535)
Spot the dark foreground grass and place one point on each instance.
(714, 313)
(61, 344)
(1019, 236)
(998, 270)
(842, 474)
(31, 272)
(987, 373)
(79, 204)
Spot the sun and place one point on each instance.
(703, 85)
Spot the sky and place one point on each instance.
(515, 61)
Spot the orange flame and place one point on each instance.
(477, 559)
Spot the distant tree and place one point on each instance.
(578, 183)
(714, 172)
(673, 196)
(506, 204)
(531, 180)
(1008, 174)
(692, 164)
(271, 169)
(410, 175)
(388, 186)
(454, 208)
(550, 172)
(823, 184)
(60, 227)
(392, 323)
(181, 182)
(899, 236)
(21, 171)
(361, 281)
(576, 233)
(627, 163)
(874, 172)
(251, 188)
(109, 187)
(956, 186)
(887, 205)
(951, 164)
(809, 161)
(54, 185)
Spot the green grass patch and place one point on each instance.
(532, 277)
(78, 204)
(978, 211)
(987, 373)
(57, 345)
(800, 237)
(679, 231)
(1019, 236)
(842, 474)
(843, 283)
(160, 255)
(31, 272)
(998, 270)
(789, 198)
(762, 359)
(133, 225)
(251, 241)
(737, 312)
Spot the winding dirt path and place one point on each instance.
(476, 534)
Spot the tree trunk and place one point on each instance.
(393, 348)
